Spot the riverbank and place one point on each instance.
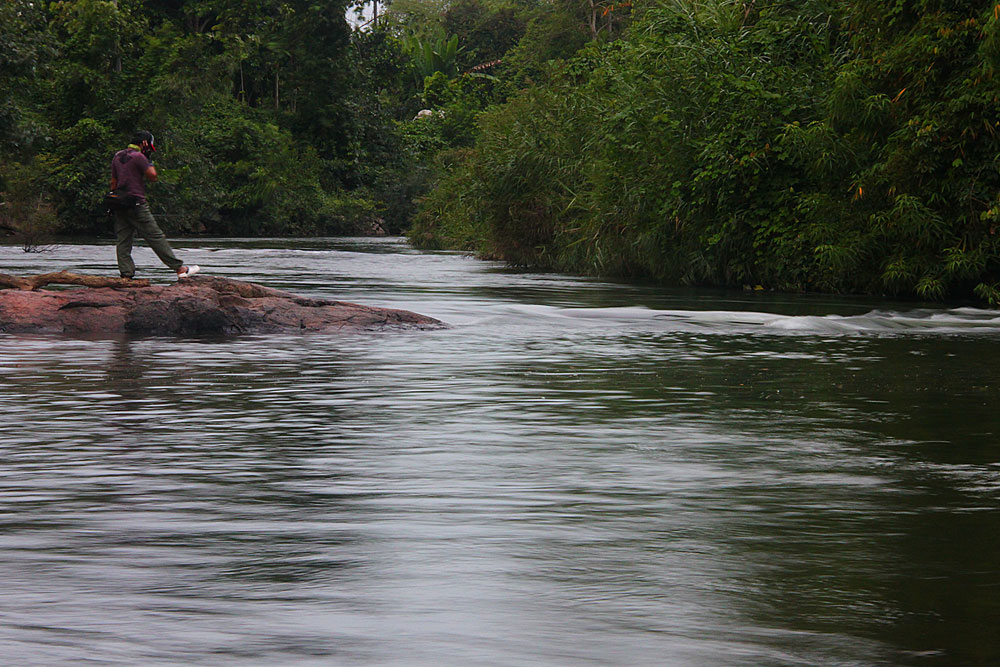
(845, 148)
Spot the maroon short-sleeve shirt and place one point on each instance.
(127, 168)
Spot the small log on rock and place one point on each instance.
(66, 278)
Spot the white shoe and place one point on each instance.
(188, 271)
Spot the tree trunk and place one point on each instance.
(118, 45)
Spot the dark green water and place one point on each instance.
(575, 473)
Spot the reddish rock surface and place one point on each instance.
(192, 306)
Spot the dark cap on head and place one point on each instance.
(141, 136)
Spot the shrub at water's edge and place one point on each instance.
(820, 148)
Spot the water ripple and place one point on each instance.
(577, 472)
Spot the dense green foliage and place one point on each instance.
(807, 145)
(267, 114)
(271, 116)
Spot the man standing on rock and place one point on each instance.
(130, 168)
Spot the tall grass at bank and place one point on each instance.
(654, 156)
(815, 146)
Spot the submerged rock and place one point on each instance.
(192, 306)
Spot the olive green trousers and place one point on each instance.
(140, 220)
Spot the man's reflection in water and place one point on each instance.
(127, 376)
(126, 369)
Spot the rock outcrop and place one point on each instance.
(192, 306)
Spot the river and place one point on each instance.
(575, 472)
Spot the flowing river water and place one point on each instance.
(576, 472)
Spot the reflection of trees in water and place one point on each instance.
(136, 496)
(227, 447)
(825, 499)
(866, 510)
